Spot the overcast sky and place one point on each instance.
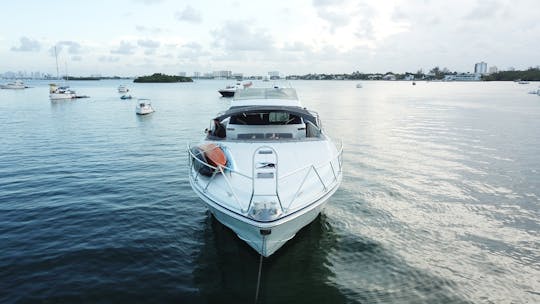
(134, 37)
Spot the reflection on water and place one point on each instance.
(227, 268)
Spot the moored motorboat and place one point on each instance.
(61, 92)
(16, 85)
(144, 107)
(537, 91)
(122, 89)
(229, 90)
(126, 97)
(272, 171)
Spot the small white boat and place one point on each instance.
(537, 91)
(523, 82)
(229, 90)
(144, 107)
(122, 89)
(62, 92)
(359, 85)
(16, 85)
(266, 168)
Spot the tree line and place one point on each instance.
(531, 74)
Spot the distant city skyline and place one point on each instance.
(480, 68)
(139, 37)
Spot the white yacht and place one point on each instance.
(271, 172)
(229, 90)
(62, 92)
(122, 89)
(144, 107)
(17, 84)
(537, 91)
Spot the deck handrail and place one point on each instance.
(224, 170)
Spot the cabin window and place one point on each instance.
(268, 118)
(278, 117)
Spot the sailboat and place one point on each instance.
(60, 92)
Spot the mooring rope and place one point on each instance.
(260, 270)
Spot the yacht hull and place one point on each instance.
(265, 237)
(226, 93)
(55, 96)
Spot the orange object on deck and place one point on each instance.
(214, 155)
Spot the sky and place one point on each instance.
(294, 37)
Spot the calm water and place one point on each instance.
(439, 202)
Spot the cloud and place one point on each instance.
(238, 36)
(193, 45)
(334, 17)
(71, 46)
(399, 14)
(152, 30)
(327, 2)
(189, 14)
(148, 2)
(148, 43)
(296, 47)
(193, 51)
(125, 48)
(27, 45)
(365, 30)
(76, 58)
(108, 59)
(484, 9)
(335, 12)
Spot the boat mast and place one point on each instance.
(67, 74)
(56, 56)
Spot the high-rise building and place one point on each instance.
(222, 74)
(273, 75)
(480, 68)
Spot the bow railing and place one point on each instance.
(333, 164)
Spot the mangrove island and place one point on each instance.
(158, 77)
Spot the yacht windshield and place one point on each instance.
(266, 93)
(265, 118)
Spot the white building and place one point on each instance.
(409, 77)
(238, 76)
(222, 74)
(480, 68)
(493, 70)
(389, 76)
